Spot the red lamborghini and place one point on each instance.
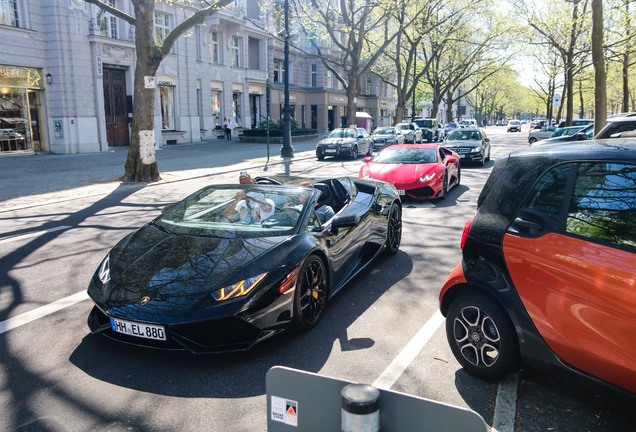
(418, 171)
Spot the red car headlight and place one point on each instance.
(427, 177)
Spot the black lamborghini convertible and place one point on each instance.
(194, 279)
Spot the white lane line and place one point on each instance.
(410, 351)
(33, 234)
(42, 311)
(505, 405)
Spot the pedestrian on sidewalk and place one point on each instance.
(228, 129)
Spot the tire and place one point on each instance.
(482, 161)
(532, 140)
(442, 196)
(394, 230)
(482, 337)
(430, 138)
(354, 152)
(488, 157)
(320, 156)
(459, 176)
(310, 296)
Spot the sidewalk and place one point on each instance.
(28, 179)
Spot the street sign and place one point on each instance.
(556, 100)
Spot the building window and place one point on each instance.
(166, 97)
(279, 70)
(162, 27)
(236, 51)
(369, 86)
(9, 13)
(329, 81)
(236, 109)
(215, 97)
(106, 23)
(214, 48)
(197, 37)
(314, 75)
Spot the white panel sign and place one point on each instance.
(149, 82)
(147, 146)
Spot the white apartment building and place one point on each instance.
(67, 70)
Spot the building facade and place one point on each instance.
(67, 70)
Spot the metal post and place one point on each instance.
(287, 150)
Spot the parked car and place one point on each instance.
(559, 132)
(432, 129)
(420, 171)
(189, 280)
(386, 136)
(472, 145)
(547, 271)
(514, 126)
(449, 127)
(619, 127)
(577, 122)
(344, 142)
(412, 132)
(535, 135)
(584, 134)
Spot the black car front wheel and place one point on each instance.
(394, 230)
(310, 297)
(482, 337)
(354, 152)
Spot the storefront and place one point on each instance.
(21, 109)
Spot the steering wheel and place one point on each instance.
(285, 219)
(267, 180)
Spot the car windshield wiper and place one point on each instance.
(163, 228)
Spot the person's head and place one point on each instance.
(245, 178)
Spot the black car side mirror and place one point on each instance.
(342, 221)
(581, 136)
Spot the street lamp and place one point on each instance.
(286, 151)
(414, 87)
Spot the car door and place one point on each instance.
(571, 253)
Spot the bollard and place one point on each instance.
(360, 408)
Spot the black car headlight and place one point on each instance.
(476, 149)
(103, 272)
(238, 289)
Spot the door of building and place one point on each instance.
(115, 107)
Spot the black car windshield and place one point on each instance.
(406, 155)
(237, 211)
(342, 133)
(424, 123)
(463, 135)
(384, 131)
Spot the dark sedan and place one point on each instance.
(196, 279)
(349, 142)
(472, 145)
(386, 136)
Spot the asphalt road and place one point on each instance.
(55, 376)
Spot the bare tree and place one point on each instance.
(141, 164)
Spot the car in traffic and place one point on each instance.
(514, 126)
(546, 277)
(385, 136)
(449, 127)
(350, 142)
(191, 279)
(432, 129)
(412, 132)
(419, 171)
(472, 145)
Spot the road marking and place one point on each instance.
(410, 351)
(42, 311)
(33, 234)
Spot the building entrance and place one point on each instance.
(116, 107)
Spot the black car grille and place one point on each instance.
(461, 149)
(214, 336)
(420, 193)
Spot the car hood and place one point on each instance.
(337, 141)
(174, 271)
(399, 173)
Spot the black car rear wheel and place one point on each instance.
(394, 230)
(311, 293)
(354, 152)
(482, 337)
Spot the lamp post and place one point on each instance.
(286, 151)
(414, 87)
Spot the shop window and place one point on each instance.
(106, 23)
(215, 54)
(236, 109)
(215, 97)
(9, 13)
(166, 96)
(162, 27)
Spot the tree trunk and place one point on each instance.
(600, 89)
(141, 165)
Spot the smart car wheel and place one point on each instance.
(394, 230)
(311, 293)
(482, 337)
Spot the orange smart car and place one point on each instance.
(548, 270)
